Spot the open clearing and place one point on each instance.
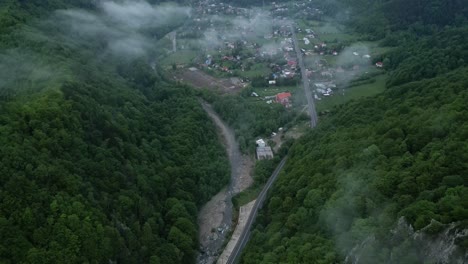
(199, 79)
(180, 57)
(354, 92)
(258, 69)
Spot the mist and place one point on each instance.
(258, 24)
(19, 66)
(127, 28)
(117, 29)
(354, 55)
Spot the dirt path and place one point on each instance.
(215, 217)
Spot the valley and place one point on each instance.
(216, 131)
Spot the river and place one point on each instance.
(216, 215)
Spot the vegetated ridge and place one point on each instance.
(382, 179)
(102, 160)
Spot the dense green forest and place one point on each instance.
(102, 159)
(399, 154)
(376, 166)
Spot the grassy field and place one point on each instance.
(303, 24)
(354, 92)
(375, 49)
(270, 91)
(258, 69)
(327, 31)
(246, 196)
(180, 57)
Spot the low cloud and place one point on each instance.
(125, 29)
(122, 26)
(354, 55)
(17, 67)
(258, 24)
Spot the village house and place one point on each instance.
(292, 63)
(284, 99)
(325, 88)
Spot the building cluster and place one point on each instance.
(213, 7)
(239, 49)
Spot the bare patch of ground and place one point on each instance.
(280, 137)
(245, 178)
(200, 79)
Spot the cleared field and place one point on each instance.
(354, 92)
(270, 91)
(200, 79)
(179, 57)
(258, 69)
(246, 196)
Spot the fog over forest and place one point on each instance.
(150, 131)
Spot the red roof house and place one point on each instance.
(292, 63)
(283, 98)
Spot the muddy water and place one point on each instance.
(216, 215)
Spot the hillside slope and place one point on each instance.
(382, 179)
(402, 153)
(102, 159)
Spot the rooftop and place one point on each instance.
(264, 153)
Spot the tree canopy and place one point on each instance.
(374, 169)
(103, 160)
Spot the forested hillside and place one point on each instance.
(399, 154)
(102, 159)
(380, 179)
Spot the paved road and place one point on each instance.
(244, 237)
(305, 81)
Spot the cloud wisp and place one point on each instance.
(127, 28)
